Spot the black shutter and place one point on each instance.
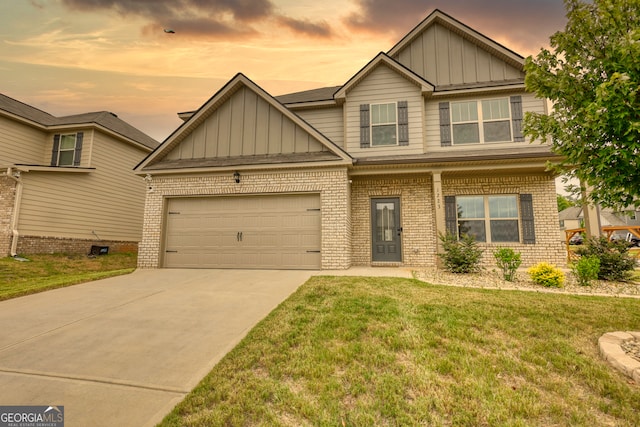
(445, 125)
(516, 118)
(526, 218)
(54, 150)
(78, 150)
(451, 214)
(365, 130)
(403, 123)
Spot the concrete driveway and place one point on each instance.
(124, 351)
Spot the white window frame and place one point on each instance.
(73, 150)
(481, 121)
(487, 217)
(394, 123)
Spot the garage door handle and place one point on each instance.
(239, 236)
(171, 252)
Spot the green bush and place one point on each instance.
(615, 261)
(508, 261)
(460, 255)
(546, 275)
(586, 269)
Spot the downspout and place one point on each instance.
(16, 210)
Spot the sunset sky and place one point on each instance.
(75, 56)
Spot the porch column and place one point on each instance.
(439, 208)
(591, 214)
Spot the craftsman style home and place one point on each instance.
(425, 139)
(66, 183)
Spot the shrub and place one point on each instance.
(460, 255)
(586, 269)
(615, 261)
(546, 275)
(508, 261)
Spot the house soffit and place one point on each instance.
(217, 100)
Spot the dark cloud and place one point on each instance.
(528, 23)
(305, 27)
(241, 10)
(203, 18)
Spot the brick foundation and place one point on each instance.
(28, 245)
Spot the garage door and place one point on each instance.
(271, 232)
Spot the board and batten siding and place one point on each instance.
(443, 57)
(381, 86)
(329, 121)
(245, 125)
(108, 200)
(432, 121)
(20, 144)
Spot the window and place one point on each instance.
(488, 218)
(383, 124)
(67, 149)
(476, 122)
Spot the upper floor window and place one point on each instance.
(384, 129)
(384, 124)
(481, 121)
(476, 122)
(67, 149)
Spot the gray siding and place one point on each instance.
(444, 58)
(20, 143)
(383, 85)
(245, 125)
(329, 121)
(432, 121)
(108, 200)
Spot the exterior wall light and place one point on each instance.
(236, 176)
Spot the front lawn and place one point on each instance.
(345, 351)
(44, 272)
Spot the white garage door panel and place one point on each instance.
(276, 231)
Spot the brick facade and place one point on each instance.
(7, 198)
(548, 246)
(346, 211)
(331, 184)
(416, 211)
(419, 237)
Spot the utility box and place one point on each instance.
(99, 250)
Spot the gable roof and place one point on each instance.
(104, 119)
(383, 60)
(439, 17)
(328, 95)
(156, 160)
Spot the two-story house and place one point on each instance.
(66, 183)
(425, 139)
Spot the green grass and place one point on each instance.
(346, 351)
(44, 272)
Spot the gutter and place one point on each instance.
(16, 209)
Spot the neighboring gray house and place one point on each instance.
(573, 217)
(425, 139)
(67, 182)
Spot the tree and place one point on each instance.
(564, 202)
(592, 78)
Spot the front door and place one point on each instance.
(386, 232)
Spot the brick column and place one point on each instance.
(7, 200)
(438, 204)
